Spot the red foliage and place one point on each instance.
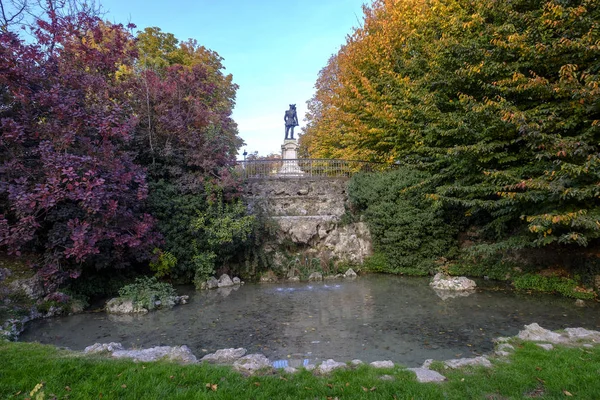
(68, 188)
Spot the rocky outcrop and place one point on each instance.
(442, 281)
(308, 213)
(224, 281)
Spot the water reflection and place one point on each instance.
(373, 318)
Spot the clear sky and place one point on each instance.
(274, 49)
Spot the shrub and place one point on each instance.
(552, 284)
(146, 291)
(409, 234)
(164, 263)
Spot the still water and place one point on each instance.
(375, 317)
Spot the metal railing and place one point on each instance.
(306, 168)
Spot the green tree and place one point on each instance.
(499, 101)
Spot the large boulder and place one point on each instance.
(350, 274)
(224, 356)
(212, 283)
(120, 305)
(315, 277)
(444, 282)
(536, 333)
(224, 281)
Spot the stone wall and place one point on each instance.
(308, 212)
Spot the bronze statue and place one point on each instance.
(291, 120)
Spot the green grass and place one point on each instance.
(531, 372)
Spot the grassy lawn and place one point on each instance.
(531, 373)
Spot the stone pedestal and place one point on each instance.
(289, 155)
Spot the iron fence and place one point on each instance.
(306, 168)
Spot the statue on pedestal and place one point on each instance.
(291, 120)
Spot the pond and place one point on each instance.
(375, 317)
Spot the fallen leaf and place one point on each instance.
(540, 380)
(538, 368)
(347, 384)
(100, 395)
(330, 385)
(567, 393)
(282, 378)
(171, 377)
(256, 384)
(67, 388)
(373, 389)
(364, 389)
(123, 386)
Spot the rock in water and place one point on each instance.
(315, 276)
(350, 274)
(120, 305)
(212, 283)
(224, 281)
(443, 282)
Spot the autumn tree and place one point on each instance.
(497, 100)
(186, 139)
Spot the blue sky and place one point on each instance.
(274, 49)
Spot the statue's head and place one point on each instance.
(292, 106)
